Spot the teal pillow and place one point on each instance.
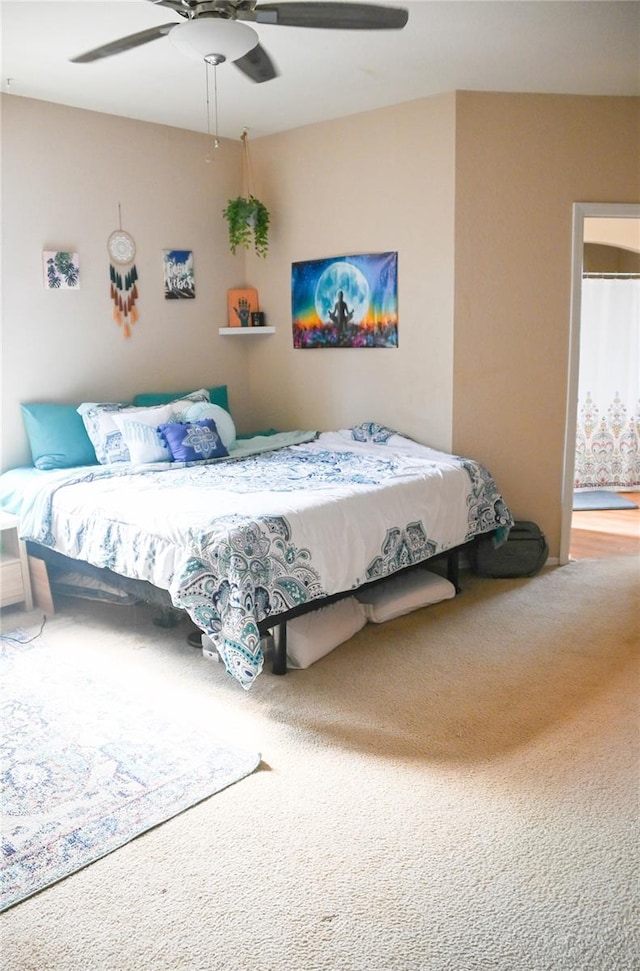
(265, 431)
(218, 396)
(57, 436)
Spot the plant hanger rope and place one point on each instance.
(247, 180)
(248, 218)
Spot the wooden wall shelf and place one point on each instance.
(244, 331)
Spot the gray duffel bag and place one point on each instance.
(523, 554)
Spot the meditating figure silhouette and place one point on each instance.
(341, 315)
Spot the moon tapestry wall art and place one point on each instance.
(345, 301)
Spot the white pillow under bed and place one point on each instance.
(401, 594)
(317, 633)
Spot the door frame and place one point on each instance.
(581, 211)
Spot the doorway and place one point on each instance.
(581, 212)
(607, 532)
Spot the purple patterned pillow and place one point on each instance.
(193, 441)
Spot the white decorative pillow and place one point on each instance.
(224, 421)
(139, 430)
(317, 633)
(401, 594)
(104, 433)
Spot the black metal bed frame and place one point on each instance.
(275, 624)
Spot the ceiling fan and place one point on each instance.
(218, 30)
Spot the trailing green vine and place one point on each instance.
(247, 219)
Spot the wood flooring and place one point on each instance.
(598, 533)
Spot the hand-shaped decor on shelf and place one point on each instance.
(240, 305)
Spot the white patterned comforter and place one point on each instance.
(239, 539)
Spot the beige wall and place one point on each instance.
(522, 161)
(474, 192)
(64, 171)
(375, 182)
(613, 232)
(599, 258)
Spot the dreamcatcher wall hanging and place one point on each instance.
(124, 278)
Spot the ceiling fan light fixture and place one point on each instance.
(214, 39)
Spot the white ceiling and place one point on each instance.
(552, 46)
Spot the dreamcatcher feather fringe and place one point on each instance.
(124, 293)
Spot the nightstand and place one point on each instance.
(15, 583)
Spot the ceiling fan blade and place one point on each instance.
(124, 44)
(340, 16)
(176, 5)
(257, 65)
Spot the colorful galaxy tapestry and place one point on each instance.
(345, 301)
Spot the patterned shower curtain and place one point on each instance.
(607, 442)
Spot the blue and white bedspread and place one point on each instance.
(273, 526)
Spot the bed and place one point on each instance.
(275, 525)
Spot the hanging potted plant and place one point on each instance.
(247, 217)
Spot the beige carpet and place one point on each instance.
(456, 789)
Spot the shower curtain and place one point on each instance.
(607, 440)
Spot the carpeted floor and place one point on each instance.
(456, 790)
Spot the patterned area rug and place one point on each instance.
(86, 767)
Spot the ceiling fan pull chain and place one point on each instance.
(216, 141)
